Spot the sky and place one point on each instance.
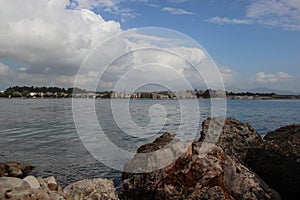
(253, 43)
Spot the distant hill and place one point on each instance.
(262, 90)
(268, 90)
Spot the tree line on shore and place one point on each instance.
(56, 92)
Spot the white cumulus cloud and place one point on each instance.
(47, 41)
(46, 35)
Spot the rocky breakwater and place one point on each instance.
(235, 164)
(199, 171)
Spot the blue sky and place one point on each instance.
(256, 43)
(246, 48)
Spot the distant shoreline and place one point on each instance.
(199, 99)
(55, 92)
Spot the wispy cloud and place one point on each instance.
(284, 14)
(88, 4)
(263, 77)
(227, 74)
(178, 1)
(226, 20)
(177, 11)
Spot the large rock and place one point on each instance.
(277, 160)
(235, 137)
(99, 188)
(203, 171)
(15, 169)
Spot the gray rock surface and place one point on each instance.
(236, 138)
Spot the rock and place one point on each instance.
(15, 169)
(92, 189)
(50, 179)
(51, 183)
(32, 181)
(158, 143)
(27, 189)
(31, 188)
(277, 160)
(149, 158)
(52, 186)
(42, 182)
(9, 183)
(236, 138)
(33, 194)
(203, 171)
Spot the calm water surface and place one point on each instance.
(41, 132)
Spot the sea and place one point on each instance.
(48, 133)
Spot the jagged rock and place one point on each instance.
(277, 160)
(99, 188)
(235, 138)
(203, 171)
(15, 169)
(150, 159)
(158, 143)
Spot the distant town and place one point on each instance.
(56, 92)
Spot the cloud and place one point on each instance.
(263, 77)
(111, 6)
(46, 35)
(89, 4)
(277, 13)
(176, 11)
(4, 69)
(227, 74)
(226, 20)
(284, 14)
(47, 41)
